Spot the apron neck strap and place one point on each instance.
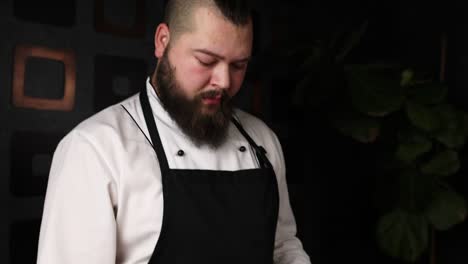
(159, 149)
(153, 131)
(260, 152)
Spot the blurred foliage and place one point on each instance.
(399, 107)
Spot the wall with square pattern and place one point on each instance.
(61, 62)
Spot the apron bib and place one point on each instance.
(215, 217)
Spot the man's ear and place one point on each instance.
(161, 39)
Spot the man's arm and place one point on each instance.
(78, 224)
(288, 248)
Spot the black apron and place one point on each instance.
(215, 217)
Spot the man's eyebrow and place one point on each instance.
(210, 53)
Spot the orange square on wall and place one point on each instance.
(67, 57)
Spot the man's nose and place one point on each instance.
(221, 77)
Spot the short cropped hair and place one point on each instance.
(178, 13)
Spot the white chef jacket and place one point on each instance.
(104, 200)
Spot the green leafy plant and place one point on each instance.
(428, 134)
(406, 112)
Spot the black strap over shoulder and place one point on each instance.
(158, 147)
(153, 131)
(259, 150)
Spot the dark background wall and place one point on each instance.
(109, 44)
(110, 48)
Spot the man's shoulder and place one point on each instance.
(109, 116)
(264, 136)
(248, 119)
(254, 126)
(108, 122)
(102, 137)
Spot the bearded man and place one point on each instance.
(175, 174)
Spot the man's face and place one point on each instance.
(201, 71)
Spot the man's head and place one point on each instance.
(179, 13)
(203, 49)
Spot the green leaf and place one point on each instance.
(463, 117)
(451, 138)
(410, 150)
(446, 210)
(452, 129)
(443, 164)
(406, 77)
(375, 89)
(428, 93)
(421, 116)
(361, 128)
(403, 235)
(414, 190)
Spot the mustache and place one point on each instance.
(214, 93)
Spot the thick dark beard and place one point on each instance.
(209, 128)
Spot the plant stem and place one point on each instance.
(433, 246)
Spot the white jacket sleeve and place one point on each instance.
(78, 223)
(288, 248)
